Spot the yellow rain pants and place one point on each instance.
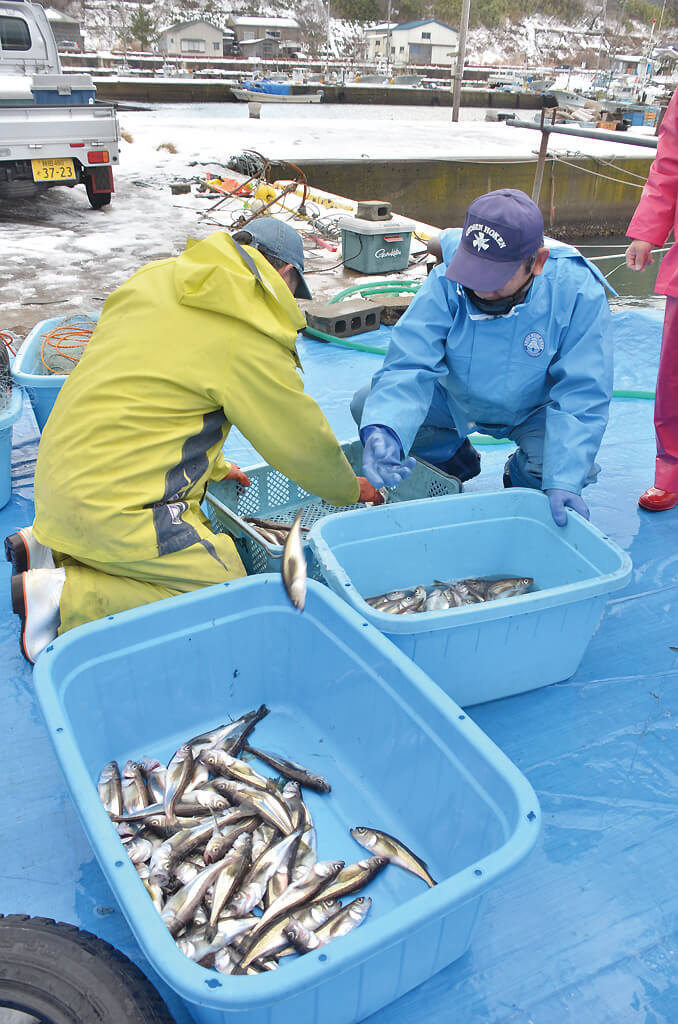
(94, 590)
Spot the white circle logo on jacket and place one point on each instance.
(533, 344)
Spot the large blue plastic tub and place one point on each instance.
(482, 651)
(41, 387)
(399, 755)
(9, 413)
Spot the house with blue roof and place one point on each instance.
(414, 42)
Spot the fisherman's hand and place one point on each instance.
(383, 464)
(236, 473)
(562, 500)
(638, 255)
(368, 492)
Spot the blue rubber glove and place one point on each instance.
(560, 500)
(382, 458)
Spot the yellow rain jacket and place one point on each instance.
(182, 351)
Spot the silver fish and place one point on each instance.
(302, 891)
(353, 877)
(236, 864)
(221, 763)
(437, 601)
(266, 804)
(292, 770)
(197, 944)
(230, 735)
(109, 788)
(139, 850)
(179, 772)
(134, 792)
(511, 587)
(255, 882)
(293, 565)
(154, 773)
(385, 845)
(180, 908)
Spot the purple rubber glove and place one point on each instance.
(383, 464)
(562, 500)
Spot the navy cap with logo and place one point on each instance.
(501, 230)
(277, 238)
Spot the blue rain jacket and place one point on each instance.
(554, 351)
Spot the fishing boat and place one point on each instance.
(267, 91)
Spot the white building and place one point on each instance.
(414, 42)
(191, 39)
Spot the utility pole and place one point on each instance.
(327, 43)
(388, 41)
(459, 73)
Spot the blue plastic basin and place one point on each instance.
(482, 651)
(8, 415)
(399, 754)
(41, 387)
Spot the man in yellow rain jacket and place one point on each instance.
(185, 349)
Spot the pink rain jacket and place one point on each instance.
(655, 214)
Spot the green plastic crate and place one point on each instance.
(376, 247)
(271, 495)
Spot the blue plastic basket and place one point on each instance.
(479, 652)
(399, 755)
(8, 416)
(273, 496)
(41, 387)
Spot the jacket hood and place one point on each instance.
(213, 275)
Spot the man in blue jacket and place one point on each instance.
(508, 338)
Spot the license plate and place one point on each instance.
(53, 170)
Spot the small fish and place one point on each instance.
(179, 772)
(135, 795)
(262, 802)
(293, 565)
(304, 940)
(437, 601)
(109, 788)
(353, 877)
(197, 944)
(236, 863)
(292, 770)
(384, 845)
(230, 736)
(510, 587)
(221, 763)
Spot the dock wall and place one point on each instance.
(574, 199)
(195, 90)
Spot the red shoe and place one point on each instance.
(656, 500)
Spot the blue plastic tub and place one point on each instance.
(8, 415)
(482, 651)
(399, 754)
(28, 370)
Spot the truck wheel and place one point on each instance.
(62, 975)
(96, 199)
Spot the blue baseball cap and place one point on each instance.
(500, 231)
(278, 238)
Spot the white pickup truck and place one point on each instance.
(52, 131)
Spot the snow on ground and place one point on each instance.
(58, 256)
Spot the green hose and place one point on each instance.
(375, 288)
(344, 342)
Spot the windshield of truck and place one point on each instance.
(14, 34)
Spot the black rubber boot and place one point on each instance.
(464, 464)
(15, 552)
(508, 482)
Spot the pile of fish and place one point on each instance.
(270, 530)
(442, 596)
(228, 855)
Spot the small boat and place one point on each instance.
(265, 91)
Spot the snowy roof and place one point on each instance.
(185, 24)
(54, 15)
(415, 24)
(260, 22)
